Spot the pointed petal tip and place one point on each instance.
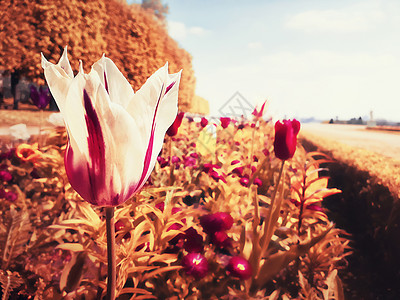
(64, 54)
(81, 67)
(45, 63)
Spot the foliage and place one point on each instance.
(136, 41)
(269, 238)
(160, 10)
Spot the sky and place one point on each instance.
(322, 59)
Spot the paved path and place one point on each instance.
(386, 143)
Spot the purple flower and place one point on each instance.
(239, 267)
(41, 98)
(195, 265)
(114, 134)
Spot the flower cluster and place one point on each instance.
(215, 226)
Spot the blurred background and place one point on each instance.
(313, 60)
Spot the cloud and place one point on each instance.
(255, 45)
(312, 83)
(179, 31)
(348, 20)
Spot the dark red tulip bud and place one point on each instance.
(239, 267)
(119, 225)
(195, 265)
(203, 122)
(5, 175)
(244, 181)
(253, 169)
(225, 122)
(258, 181)
(162, 161)
(190, 161)
(221, 240)
(173, 129)
(210, 167)
(193, 241)
(11, 196)
(219, 221)
(194, 155)
(238, 171)
(175, 159)
(286, 138)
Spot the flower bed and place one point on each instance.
(216, 219)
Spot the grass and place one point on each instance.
(385, 170)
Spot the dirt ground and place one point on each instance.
(386, 143)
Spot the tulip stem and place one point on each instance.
(40, 129)
(110, 227)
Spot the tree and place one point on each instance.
(160, 10)
(137, 42)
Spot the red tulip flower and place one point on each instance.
(258, 113)
(239, 267)
(203, 122)
(173, 129)
(195, 264)
(286, 138)
(225, 122)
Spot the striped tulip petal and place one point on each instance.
(114, 134)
